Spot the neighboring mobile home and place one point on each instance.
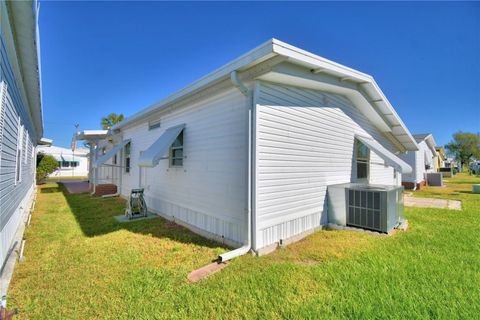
(422, 161)
(21, 127)
(245, 154)
(70, 163)
(440, 159)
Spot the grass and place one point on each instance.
(81, 264)
(455, 188)
(66, 178)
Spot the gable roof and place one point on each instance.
(379, 107)
(428, 138)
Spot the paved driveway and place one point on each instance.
(76, 186)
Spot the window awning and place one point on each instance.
(110, 153)
(67, 157)
(389, 158)
(152, 156)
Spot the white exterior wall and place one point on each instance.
(210, 191)
(428, 157)
(81, 156)
(417, 160)
(17, 133)
(305, 142)
(80, 171)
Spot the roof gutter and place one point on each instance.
(25, 31)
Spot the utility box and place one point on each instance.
(372, 207)
(434, 179)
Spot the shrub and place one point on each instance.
(46, 164)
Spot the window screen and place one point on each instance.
(176, 151)
(363, 156)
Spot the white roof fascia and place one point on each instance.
(305, 57)
(24, 25)
(249, 59)
(348, 74)
(92, 134)
(45, 142)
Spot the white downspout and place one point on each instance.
(95, 169)
(120, 174)
(247, 246)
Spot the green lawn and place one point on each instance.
(66, 178)
(81, 264)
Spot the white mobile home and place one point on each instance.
(70, 163)
(422, 162)
(246, 153)
(21, 126)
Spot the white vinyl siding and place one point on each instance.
(14, 197)
(305, 142)
(209, 191)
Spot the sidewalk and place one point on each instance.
(432, 203)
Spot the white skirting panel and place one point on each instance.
(288, 229)
(232, 233)
(8, 232)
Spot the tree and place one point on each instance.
(46, 164)
(110, 120)
(464, 146)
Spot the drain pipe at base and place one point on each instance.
(248, 246)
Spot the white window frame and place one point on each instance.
(25, 145)
(363, 161)
(128, 168)
(34, 158)
(18, 156)
(173, 149)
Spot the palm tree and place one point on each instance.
(111, 120)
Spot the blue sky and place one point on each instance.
(103, 57)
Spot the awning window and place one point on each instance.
(67, 157)
(101, 160)
(389, 158)
(159, 149)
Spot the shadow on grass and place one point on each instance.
(95, 215)
(50, 189)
